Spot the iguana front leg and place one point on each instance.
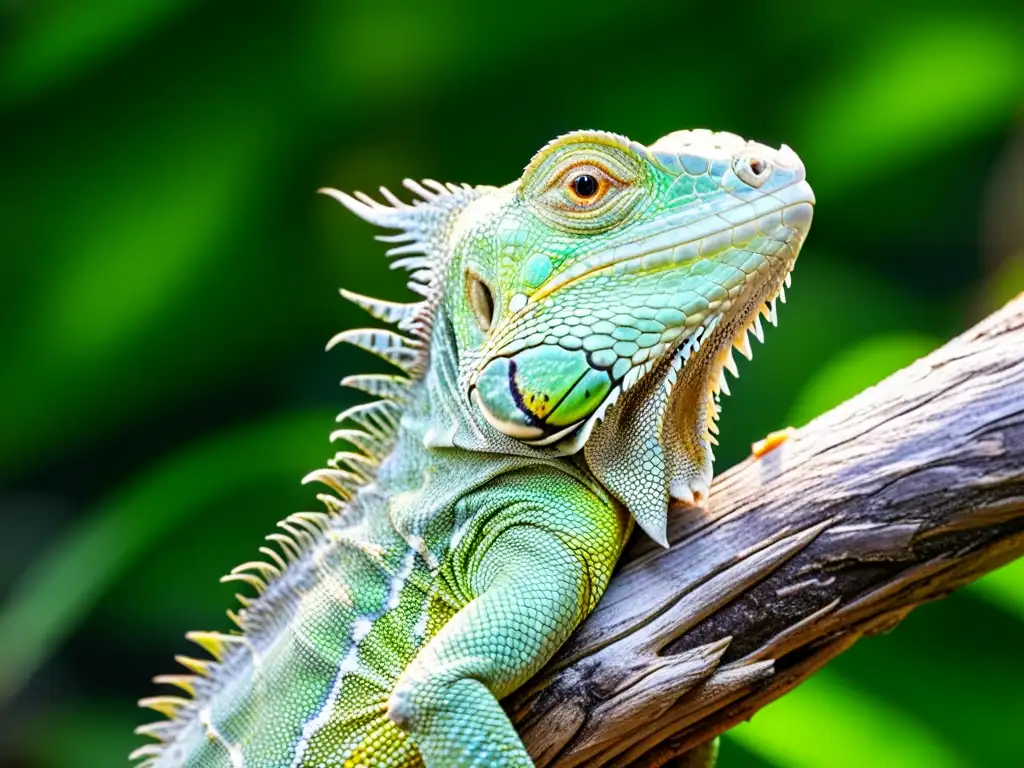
(536, 566)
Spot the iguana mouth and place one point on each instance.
(701, 356)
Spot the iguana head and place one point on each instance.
(595, 302)
(597, 299)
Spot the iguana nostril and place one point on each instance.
(752, 169)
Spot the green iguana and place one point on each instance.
(562, 374)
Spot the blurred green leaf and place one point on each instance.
(153, 227)
(909, 92)
(84, 733)
(193, 198)
(56, 40)
(950, 648)
(1003, 587)
(63, 583)
(1006, 282)
(827, 721)
(856, 368)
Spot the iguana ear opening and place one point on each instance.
(481, 300)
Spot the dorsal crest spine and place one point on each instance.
(420, 247)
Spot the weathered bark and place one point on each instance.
(896, 497)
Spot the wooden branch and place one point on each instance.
(896, 497)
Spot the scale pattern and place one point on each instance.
(559, 380)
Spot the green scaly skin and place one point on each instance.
(561, 381)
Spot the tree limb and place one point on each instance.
(896, 497)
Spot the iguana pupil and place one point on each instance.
(585, 185)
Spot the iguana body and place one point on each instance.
(560, 381)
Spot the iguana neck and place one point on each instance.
(443, 450)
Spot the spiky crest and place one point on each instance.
(421, 248)
(404, 353)
(388, 311)
(378, 385)
(425, 226)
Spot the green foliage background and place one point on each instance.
(167, 283)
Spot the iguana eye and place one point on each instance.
(587, 186)
(481, 300)
(583, 187)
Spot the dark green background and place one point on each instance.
(167, 283)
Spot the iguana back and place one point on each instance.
(561, 372)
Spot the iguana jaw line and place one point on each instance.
(572, 438)
(669, 253)
(694, 405)
(654, 442)
(724, 327)
(708, 340)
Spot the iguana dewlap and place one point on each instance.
(561, 379)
